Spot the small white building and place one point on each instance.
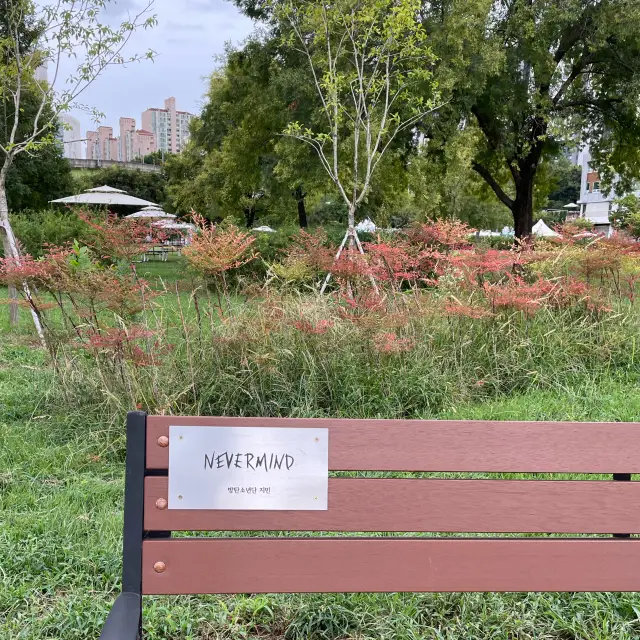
(596, 204)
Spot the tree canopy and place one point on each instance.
(555, 71)
(147, 185)
(516, 82)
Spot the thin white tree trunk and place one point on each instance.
(11, 251)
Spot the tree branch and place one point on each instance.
(485, 174)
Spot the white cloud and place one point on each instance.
(188, 36)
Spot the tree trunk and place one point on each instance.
(14, 316)
(249, 216)
(300, 195)
(8, 251)
(10, 246)
(351, 225)
(522, 208)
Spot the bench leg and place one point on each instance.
(124, 621)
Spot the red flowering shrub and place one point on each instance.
(121, 239)
(214, 250)
(388, 342)
(318, 328)
(392, 263)
(475, 264)
(119, 344)
(445, 235)
(351, 267)
(312, 249)
(81, 289)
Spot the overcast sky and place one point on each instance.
(188, 36)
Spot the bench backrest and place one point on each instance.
(156, 563)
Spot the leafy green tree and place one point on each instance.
(34, 180)
(444, 185)
(544, 72)
(565, 183)
(157, 157)
(366, 61)
(626, 214)
(188, 182)
(236, 162)
(147, 185)
(34, 35)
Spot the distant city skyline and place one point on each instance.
(190, 33)
(163, 129)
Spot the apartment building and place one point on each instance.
(596, 203)
(170, 126)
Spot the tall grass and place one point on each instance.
(311, 356)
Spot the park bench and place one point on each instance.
(606, 508)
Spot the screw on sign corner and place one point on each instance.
(163, 441)
(159, 567)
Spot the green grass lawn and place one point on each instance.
(61, 490)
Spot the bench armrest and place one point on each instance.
(123, 619)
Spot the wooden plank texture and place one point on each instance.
(372, 565)
(466, 446)
(474, 506)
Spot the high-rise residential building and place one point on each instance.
(144, 143)
(93, 146)
(170, 126)
(111, 150)
(127, 128)
(108, 145)
(101, 145)
(42, 72)
(134, 144)
(70, 136)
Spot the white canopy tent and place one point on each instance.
(104, 195)
(366, 226)
(541, 230)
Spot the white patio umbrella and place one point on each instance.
(571, 205)
(151, 213)
(104, 195)
(174, 225)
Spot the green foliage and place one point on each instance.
(43, 175)
(157, 157)
(147, 185)
(539, 75)
(565, 187)
(33, 181)
(37, 228)
(365, 106)
(229, 168)
(444, 185)
(627, 214)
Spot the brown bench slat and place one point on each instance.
(352, 565)
(412, 445)
(475, 506)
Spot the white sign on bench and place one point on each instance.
(257, 468)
